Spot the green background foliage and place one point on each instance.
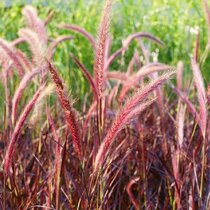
(174, 22)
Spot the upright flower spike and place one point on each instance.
(99, 63)
(68, 110)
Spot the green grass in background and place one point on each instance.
(174, 22)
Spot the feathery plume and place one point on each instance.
(38, 49)
(12, 144)
(134, 79)
(99, 71)
(12, 55)
(23, 84)
(68, 110)
(35, 23)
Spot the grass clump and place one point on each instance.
(133, 146)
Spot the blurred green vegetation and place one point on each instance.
(174, 22)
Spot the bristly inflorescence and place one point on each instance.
(99, 63)
(68, 110)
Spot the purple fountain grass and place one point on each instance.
(112, 95)
(82, 31)
(30, 14)
(125, 115)
(12, 55)
(152, 73)
(99, 72)
(99, 64)
(144, 71)
(68, 110)
(115, 156)
(19, 91)
(38, 49)
(35, 23)
(12, 144)
(129, 111)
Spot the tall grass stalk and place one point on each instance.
(12, 144)
(68, 110)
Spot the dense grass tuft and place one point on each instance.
(141, 140)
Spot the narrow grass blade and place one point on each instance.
(53, 45)
(87, 75)
(82, 31)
